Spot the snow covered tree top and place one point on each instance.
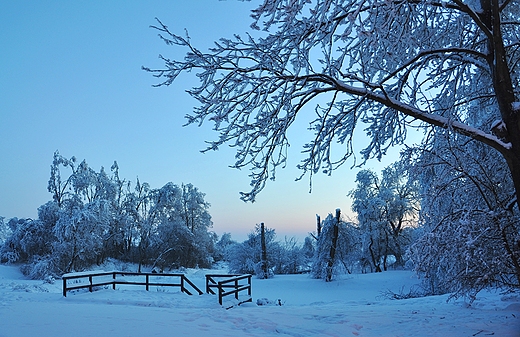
(379, 64)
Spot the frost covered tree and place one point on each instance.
(308, 250)
(246, 257)
(96, 215)
(31, 242)
(117, 241)
(278, 257)
(336, 249)
(80, 233)
(136, 207)
(222, 247)
(5, 231)
(194, 211)
(87, 205)
(180, 223)
(56, 186)
(471, 236)
(24, 237)
(378, 65)
(386, 208)
(290, 257)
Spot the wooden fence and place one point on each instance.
(235, 282)
(111, 278)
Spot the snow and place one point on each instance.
(353, 305)
(515, 106)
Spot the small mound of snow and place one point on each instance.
(513, 307)
(266, 301)
(29, 288)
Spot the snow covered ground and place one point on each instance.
(351, 306)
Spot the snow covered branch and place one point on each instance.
(354, 64)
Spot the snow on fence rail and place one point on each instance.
(231, 281)
(110, 278)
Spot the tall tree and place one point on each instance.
(386, 207)
(336, 248)
(381, 64)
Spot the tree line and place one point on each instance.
(444, 210)
(377, 240)
(94, 216)
(437, 211)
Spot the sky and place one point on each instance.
(71, 80)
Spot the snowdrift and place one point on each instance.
(354, 305)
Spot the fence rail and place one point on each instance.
(224, 282)
(94, 281)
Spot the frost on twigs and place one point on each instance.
(378, 65)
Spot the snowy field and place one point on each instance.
(351, 306)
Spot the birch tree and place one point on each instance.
(379, 65)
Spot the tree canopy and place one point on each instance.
(383, 66)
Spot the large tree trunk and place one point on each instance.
(505, 96)
(503, 87)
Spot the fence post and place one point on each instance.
(220, 292)
(147, 281)
(236, 288)
(90, 281)
(64, 287)
(114, 281)
(249, 288)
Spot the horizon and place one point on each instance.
(72, 82)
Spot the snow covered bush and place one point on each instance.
(471, 224)
(289, 257)
(241, 258)
(41, 268)
(29, 238)
(282, 257)
(221, 249)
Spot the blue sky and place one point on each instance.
(71, 80)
